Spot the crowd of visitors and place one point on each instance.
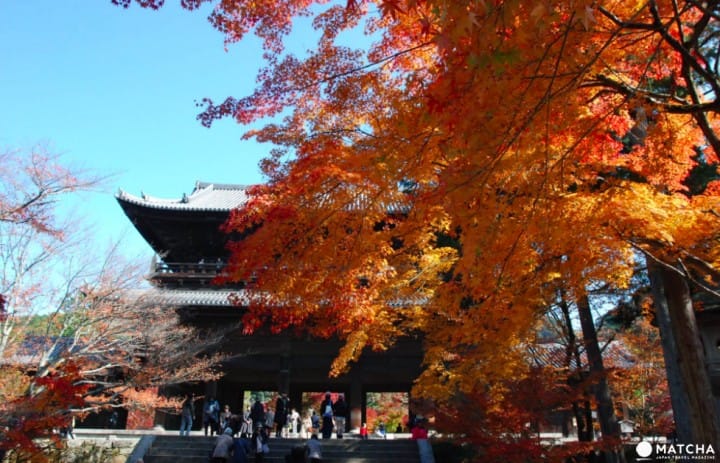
(229, 449)
(246, 434)
(281, 421)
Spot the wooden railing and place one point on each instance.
(201, 269)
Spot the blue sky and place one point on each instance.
(114, 91)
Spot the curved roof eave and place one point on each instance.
(205, 197)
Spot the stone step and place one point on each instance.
(272, 458)
(173, 454)
(328, 452)
(343, 447)
(343, 444)
(176, 449)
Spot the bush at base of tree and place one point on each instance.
(86, 452)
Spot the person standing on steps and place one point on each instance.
(381, 431)
(225, 418)
(294, 422)
(326, 408)
(269, 418)
(186, 415)
(314, 423)
(340, 413)
(246, 425)
(281, 414)
(257, 414)
(211, 416)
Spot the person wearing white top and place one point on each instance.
(294, 422)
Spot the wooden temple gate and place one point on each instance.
(190, 251)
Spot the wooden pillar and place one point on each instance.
(356, 403)
(211, 388)
(240, 400)
(295, 397)
(283, 380)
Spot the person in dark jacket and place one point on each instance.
(281, 413)
(257, 415)
(241, 449)
(211, 416)
(260, 442)
(340, 411)
(326, 410)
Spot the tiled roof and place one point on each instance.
(33, 348)
(225, 197)
(554, 354)
(204, 197)
(192, 297)
(220, 297)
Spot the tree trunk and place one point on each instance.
(695, 415)
(583, 415)
(678, 393)
(606, 413)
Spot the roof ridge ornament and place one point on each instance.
(205, 189)
(202, 186)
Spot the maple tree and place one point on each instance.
(388, 408)
(76, 336)
(32, 181)
(439, 179)
(503, 422)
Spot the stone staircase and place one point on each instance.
(196, 449)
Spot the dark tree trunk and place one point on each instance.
(573, 361)
(678, 393)
(606, 413)
(692, 400)
(583, 415)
